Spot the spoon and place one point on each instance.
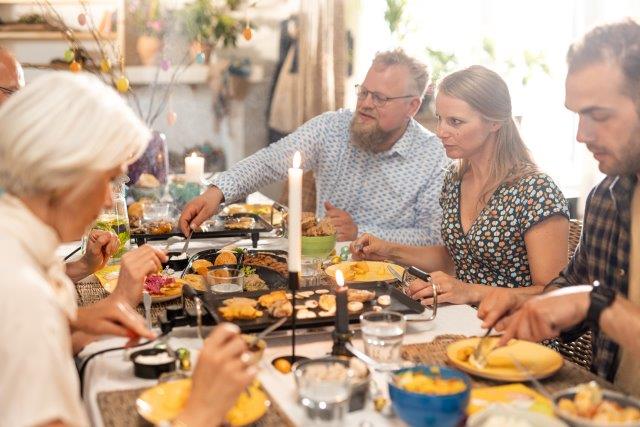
(186, 244)
(146, 301)
(171, 240)
(261, 335)
(374, 364)
(537, 384)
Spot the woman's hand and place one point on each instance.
(449, 290)
(136, 265)
(112, 316)
(370, 247)
(221, 374)
(101, 245)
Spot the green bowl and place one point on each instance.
(320, 246)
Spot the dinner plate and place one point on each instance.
(166, 400)
(540, 361)
(377, 271)
(501, 413)
(108, 278)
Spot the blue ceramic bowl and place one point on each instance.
(417, 409)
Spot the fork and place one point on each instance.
(479, 354)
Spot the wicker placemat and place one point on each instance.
(90, 291)
(435, 352)
(118, 409)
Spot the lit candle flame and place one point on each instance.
(297, 160)
(339, 278)
(194, 154)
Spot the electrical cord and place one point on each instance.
(86, 361)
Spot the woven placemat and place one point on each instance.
(118, 409)
(435, 352)
(90, 291)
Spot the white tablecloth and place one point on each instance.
(110, 371)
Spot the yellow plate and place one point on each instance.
(108, 278)
(165, 401)
(541, 361)
(377, 271)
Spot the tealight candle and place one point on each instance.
(342, 314)
(194, 168)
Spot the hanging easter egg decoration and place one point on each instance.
(200, 58)
(82, 19)
(69, 55)
(247, 33)
(165, 64)
(75, 67)
(122, 84)
(105, 65)
(172, 117)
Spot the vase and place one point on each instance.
(148, 48)
(154, 160)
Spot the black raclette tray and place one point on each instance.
(399, 302)
(261, 226)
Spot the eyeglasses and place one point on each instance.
(7, 91)
(379, 100)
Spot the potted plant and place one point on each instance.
(205, 23)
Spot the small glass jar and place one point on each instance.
(116, 219)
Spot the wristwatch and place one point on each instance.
(600, 298)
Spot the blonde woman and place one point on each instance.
(62, 140)
(504, 223)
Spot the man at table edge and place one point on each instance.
(603, 87)
(376, 169)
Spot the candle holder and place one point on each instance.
(340, 340)
(293, 287)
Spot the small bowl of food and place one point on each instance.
(588, 405)
(151, 363)
(318, 246)
(430, 395)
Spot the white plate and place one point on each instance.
(516, 417)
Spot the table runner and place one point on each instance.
(118, 409)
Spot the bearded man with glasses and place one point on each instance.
(377, 170)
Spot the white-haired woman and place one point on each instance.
(63, 139)
(504, 223)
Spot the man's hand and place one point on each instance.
(221, 374)
(498, 303)
(101, 245)
(200, 209)
(546, 315)
(136, 265)
(112, 316)
(449, 290)
(346, 229)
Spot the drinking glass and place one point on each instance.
(382, 333)
(222, 279)
(310, 271)
(324, 395)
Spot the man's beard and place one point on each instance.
(368, 138)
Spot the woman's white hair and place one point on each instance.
(62, 127)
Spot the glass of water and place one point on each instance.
(310, 271)
(382, 333)
(324, 387)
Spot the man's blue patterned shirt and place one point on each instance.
(393, 194)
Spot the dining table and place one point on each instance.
(109, 386)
